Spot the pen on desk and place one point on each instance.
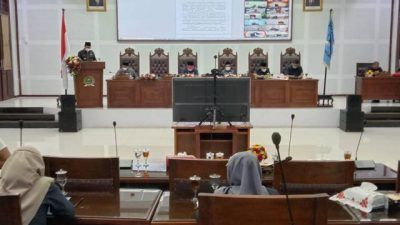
(79, 202)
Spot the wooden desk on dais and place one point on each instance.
(284, 93)
(139, 93)
(381, 87)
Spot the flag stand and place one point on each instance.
(325, 100)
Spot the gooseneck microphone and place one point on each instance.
(363, 164)
(290, 136)
(115, 138)
(215, 61)
(276, 139)
(359, 140)
(21, 125)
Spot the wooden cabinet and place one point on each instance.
(284, 93)
(198, 140)
(139, 93)
(383, 87)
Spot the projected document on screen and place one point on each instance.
(204, 19)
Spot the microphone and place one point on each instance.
(115, 138)
(363, 164)
(359, 141)
(21, 125)
(290, 136)
(276, 139)
(215, 61)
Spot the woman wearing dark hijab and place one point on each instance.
(244, 176)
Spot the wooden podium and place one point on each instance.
(89, 85)
(199, 140)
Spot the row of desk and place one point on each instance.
(155, 206)
(382, 176)
(141, 206)
(264, 93)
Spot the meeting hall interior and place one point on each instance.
(199, 112)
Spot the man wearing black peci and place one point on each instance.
(294, 70)
(87, 54)
(262, 69)
(190, 69)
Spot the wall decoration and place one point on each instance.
(312, 5)
(96, 5)
(268, 19)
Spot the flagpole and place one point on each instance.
(63, 12)
(326, 69)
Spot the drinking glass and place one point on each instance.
(219, 155)
(146, 153)
(215, 180)
(347, 155)
(138, 154)
(61, 179)
(195, 183)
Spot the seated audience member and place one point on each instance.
(295, 70)
(375, 68)
(4, 153)
(127, 69)
(228, 69)
(23, 174)
(244, 176)
(190, 69)
(262, 69)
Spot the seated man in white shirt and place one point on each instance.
(4, 153)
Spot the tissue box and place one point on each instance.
(364, 198)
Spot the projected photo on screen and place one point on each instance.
(204, 20)
(267, 19)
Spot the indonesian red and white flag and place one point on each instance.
(64, 52)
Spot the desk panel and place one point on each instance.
(383, 87)
(284, 93)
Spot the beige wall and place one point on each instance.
(361, 28)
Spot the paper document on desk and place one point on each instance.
(157, 167)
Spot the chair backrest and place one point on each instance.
(227, 56)
(184, 168)
(159, 62)
(186, 56)
(398, 177)
(361, 68)
(10, 210)
(259, 210)
(132, 58)
(308, 177)
(288, 57)
(256, 58)
(89, 175)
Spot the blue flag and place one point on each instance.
(330, 40)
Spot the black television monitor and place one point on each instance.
(192, 97)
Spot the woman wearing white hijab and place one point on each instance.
(23, 174)
(244, 176)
